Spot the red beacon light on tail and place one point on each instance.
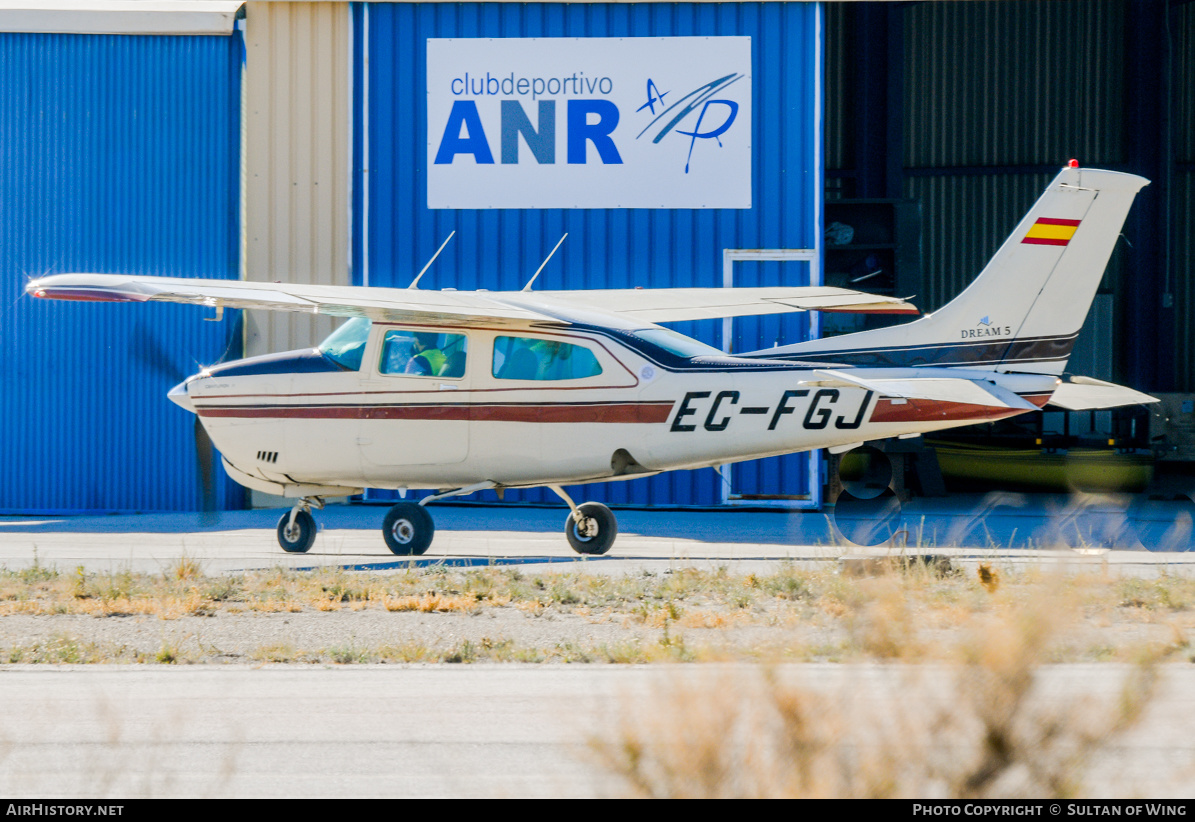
(1073, 164)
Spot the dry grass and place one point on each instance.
(978, 729)
(913, 613)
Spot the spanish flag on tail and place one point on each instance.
(1051, 231)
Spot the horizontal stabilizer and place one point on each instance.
(941, 389)
(1087, 393)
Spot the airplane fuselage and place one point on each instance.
(300, 423)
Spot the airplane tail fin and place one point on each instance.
(1025, 309)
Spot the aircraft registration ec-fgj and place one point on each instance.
(459, 391)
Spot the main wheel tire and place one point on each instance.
(296, 539)
(408, 529)
(603, 529)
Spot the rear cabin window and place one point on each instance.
(527, 358)
(423, 354)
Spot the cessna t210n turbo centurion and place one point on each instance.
(460, 391)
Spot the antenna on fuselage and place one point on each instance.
(545, 262)
(415, 282)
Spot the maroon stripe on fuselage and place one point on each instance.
(498, 412)
(614, 412)
(933, 410)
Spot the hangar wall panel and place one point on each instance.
(1184, 90)
(395, 233)
(117, 154)
(1006, 84)
(1182, 220)
(297, 157)
(838, 148)
(994, 86)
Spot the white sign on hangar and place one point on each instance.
(606, 122)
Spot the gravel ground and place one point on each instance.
(242, 634)
(378, 635)
(258, 636)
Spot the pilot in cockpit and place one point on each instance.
(427, 359)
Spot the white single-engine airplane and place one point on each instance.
(460, 391)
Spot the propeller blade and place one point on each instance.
(145, 349)
(236, 339)
(205, 458)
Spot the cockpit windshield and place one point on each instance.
(676, 343)
(346, 345)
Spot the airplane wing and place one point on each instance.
(459, 307)
(390, 304)
(1087, 393)
(945, 389)
(663, 305)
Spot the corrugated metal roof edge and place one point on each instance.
(589, 2)
(179, 17)
(593, 2)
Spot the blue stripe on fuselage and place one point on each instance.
(1033, 349)
(303, 361)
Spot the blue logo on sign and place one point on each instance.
(654, 95)
(698, 100)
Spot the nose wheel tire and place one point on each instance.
(595, 533)
(297, 538)
(408, 529)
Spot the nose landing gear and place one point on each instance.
(296, 529)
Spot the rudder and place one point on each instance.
(1024, 311)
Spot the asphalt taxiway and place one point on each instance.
(1132, 533)
(469, 730)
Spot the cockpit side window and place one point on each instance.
(346, 345)
(423, 354)
(527, 358)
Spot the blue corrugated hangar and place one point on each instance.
(306, 141)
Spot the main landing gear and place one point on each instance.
(408, 527)
(590, 527)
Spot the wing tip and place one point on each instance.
(76, 294)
